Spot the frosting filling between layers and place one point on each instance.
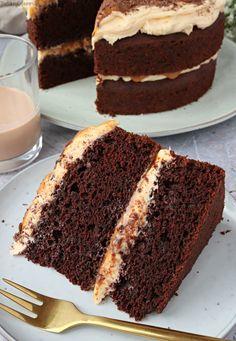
(157, 20)
(66, 48)
(73, 151)
(153, 78)
(128, 227)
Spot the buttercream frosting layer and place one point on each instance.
(154, 78)
(73, 151)
(156, 19)
(129, 226)
(66, 48)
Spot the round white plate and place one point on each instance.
(72, 105)
(206, 301)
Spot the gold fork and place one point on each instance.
(56, 315)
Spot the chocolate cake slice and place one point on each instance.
(123, 215)
(69, 223)
(155, 55)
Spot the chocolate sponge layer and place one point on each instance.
(132, 98)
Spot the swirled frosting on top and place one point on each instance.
(119, 19)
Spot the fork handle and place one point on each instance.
(137, 329)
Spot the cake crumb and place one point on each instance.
(25, 204)
(176, 294)
(225, 232)
(3, 221)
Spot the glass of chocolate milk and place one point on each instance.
(20, 132)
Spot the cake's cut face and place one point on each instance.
(61, 30)
(123, 216)
(151, 41)
(65, 63)
(89, 192)
(127, 229)
(53, 22)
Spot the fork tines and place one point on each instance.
(32, 307)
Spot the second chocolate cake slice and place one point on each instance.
(170, 218)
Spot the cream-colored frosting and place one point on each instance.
(65, 48)
(34, 7)
(157, 21)
(128, 227)
(153, 78)
(71, 153)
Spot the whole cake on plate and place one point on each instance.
(155, 55)
(150, 55)
(124, 216)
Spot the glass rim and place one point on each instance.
(27, 65)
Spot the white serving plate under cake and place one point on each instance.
(206, 301)
(72, 105)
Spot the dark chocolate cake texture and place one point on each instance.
(124, 216)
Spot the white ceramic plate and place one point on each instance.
(72, 105)
(206, 301)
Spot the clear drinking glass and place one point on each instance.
(20, 131)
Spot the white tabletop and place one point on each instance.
(216, 145)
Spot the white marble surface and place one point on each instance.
(216, 144)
